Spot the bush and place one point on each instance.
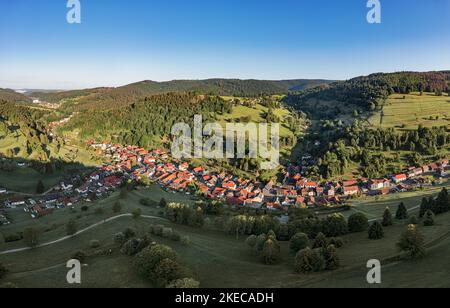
(119, 239)
(98, 211)
(71, 227)
(176, 236)
(158, 230)
(133, 247)
(358, 222)
(271, 252)
(117, 208)
(298, 242)
(185, 240)
(94, 244)
(166, 271)
(129, 233)
(402, 212)
(137, 213)
(15, 237)
(167, 233)
(80, 256)
(308, 260)
(412, 242)
(376, 231)
(185, 283)
(387, 218)
(336, 242)
(147, 260)
(331, 257)
(251, 241)
(413, 220)
(85, 208)
(335, 225)
(429, 219)
(320, 241)
(31, 237)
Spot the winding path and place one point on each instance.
(78, 233)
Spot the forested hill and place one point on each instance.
(139, 90)
(14, 97)
(148, 121)
(368, 92)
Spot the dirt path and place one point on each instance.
(78, 233)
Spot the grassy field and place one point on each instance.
(209, 253)
(373, 207)
(410, 111)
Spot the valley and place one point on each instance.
(345, 154)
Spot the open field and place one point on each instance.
(373, 207)
(410, 111)
(217, 259)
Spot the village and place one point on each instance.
(131, 163)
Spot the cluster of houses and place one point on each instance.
(296, 190)
(69, 192)
(134, 163)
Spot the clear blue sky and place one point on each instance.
(121, 41)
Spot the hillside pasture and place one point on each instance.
(407, 112)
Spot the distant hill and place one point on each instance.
(226, 87)
(14, 97)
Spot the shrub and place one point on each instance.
(71, 227)
(85, 208)
(251, 241)
(335, 225)
(185, 240)
(298, 242)
(117, 207)
(412, 242)
(176, 236)
(159, 230)
(147, 260)
(166, 271)
(413, 220)
(167, 233)
(387, 218)
(336, 242)
(271, 251)
(376, 231)
(429, 219)
(320, 241)
(137, 213)
(94, 244)
(80, 256)
(15, 237)
(98, 211)
(31, 237)
(358, 222)
(129, 233)
(402, 212)
(119, 239)
(185, 283)
(133, 247)
(309, 260)
(331, 257)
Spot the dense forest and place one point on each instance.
(342, 145)
(20, 121)
(144, 121)
(370, 92)
(133, 92)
